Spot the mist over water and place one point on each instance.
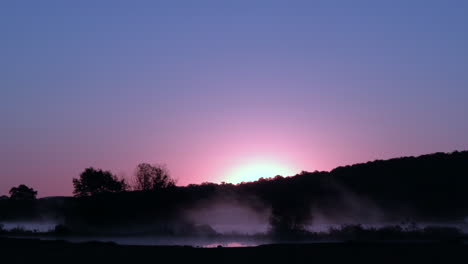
(165, 240)
(235, 225)
(347, 203)
(228, 217)
(30, 226)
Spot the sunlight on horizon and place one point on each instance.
(254, 170)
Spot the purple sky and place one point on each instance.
(215, 88)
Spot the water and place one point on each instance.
(209, 242)
(198, 241)
(205, 242)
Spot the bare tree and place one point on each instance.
(152, 177)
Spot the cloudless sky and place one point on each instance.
(206, 87)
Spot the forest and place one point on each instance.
(428, 188)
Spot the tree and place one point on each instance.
(94, 181)
(152, 177)
(23, 193)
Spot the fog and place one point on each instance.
(348, 209)
(164, 240)
(30, 226)
(230, 216)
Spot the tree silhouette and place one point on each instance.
(426, 188)
(94, 181)
(152, 177)
(23, 193)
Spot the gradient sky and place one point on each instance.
(207, 87)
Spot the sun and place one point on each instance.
(253, 170)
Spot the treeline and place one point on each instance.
(93, 181)
(427, 188)
(147, 178)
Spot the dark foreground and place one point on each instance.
(37, 251)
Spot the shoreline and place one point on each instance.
(28, 250)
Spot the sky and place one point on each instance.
(225, 90)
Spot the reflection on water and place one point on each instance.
(201, 241)
(207, 242)
(224, 240)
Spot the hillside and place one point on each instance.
(425, 188)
